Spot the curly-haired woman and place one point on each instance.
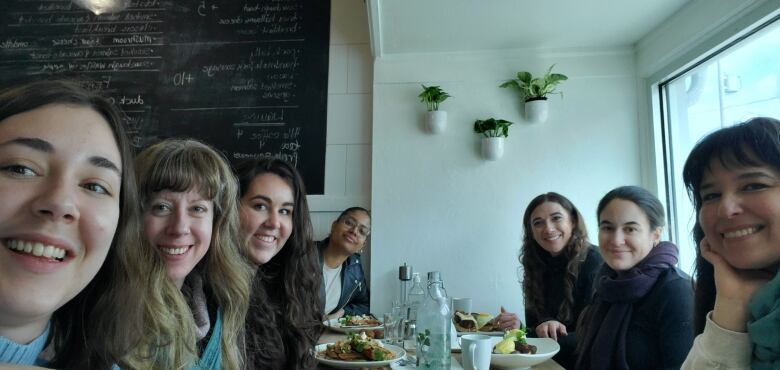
(559, 266)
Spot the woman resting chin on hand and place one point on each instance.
(733, 175)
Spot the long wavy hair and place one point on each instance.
(179, 166)
(121, 316)
(290, 280)
(575, 252)
(755, 142)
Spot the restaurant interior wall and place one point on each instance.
(348, 151)
(438, 205)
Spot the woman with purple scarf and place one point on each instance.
(641, 313)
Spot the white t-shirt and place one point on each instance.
(332, 280)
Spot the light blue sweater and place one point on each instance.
(23, 354)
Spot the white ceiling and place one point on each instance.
(419, 26)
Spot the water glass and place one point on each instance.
(393, 323)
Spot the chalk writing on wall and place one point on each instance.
(249, 77)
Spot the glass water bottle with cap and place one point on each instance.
(433, 327)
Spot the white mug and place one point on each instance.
(461, 304)
(475, 349)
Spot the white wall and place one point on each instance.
(348, 150)
(438, 206)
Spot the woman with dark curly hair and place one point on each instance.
(284, 321)
(559, 265)
(733, 178)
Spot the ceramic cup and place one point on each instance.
(461, 304)
(476, 350)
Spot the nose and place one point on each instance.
(179, 224)
(548, 226)
(617, 237)
(272, 221)
(729, 206)
(57, 202)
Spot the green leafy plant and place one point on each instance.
(432, 96)
(538, 88)
(492, 127)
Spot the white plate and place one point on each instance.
(335, 325)
(397, 351)
(546, 348)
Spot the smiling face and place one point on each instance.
(740, 214)
(351, 231)
(60, 182)
(625, 234)
(179, 225)
(267, 216)
(552, 227)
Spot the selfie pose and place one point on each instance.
(71, 274)
(733, 177)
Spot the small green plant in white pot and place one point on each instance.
(435, 119)
(493, 133)
(534, 91)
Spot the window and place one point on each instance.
(732, 85)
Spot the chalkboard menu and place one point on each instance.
(249, 77)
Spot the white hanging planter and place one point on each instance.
(492, 148)
(536, 110)
(436, 121)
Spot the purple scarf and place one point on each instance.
(604, 346)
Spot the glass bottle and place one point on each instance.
(433, 327)
(416, 297)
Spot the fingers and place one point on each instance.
(507, 320)
(551, 329)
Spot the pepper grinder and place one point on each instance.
(404, 276)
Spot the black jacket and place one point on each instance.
(354, 290)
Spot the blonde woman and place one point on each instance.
(190, 217)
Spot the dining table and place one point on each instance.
(331, 337)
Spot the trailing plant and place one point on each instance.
(538, 88)
(492, 127)
(432, 96)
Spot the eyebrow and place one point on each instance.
(551, 214)
(32, 143)
(742, 176)
(104, 162)
(46, 147)
(268, 200)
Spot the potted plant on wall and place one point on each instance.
(534, 92)
(435, 119)
(493, 131)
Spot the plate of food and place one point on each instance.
(475, 323)
(351, 324)
(515, 351)
(358, 351)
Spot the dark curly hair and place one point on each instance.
(285, 318)
(575, 252)
(755, 142)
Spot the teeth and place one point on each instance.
(36, 249)
(268, 239)
(174, 251)
(740, 233)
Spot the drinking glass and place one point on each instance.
(393, 322)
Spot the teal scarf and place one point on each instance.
(211, 359)
(764, 328)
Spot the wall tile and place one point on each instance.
(360, 69)
(349, 119)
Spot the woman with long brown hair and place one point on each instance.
(559, 266)
(285, 318)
